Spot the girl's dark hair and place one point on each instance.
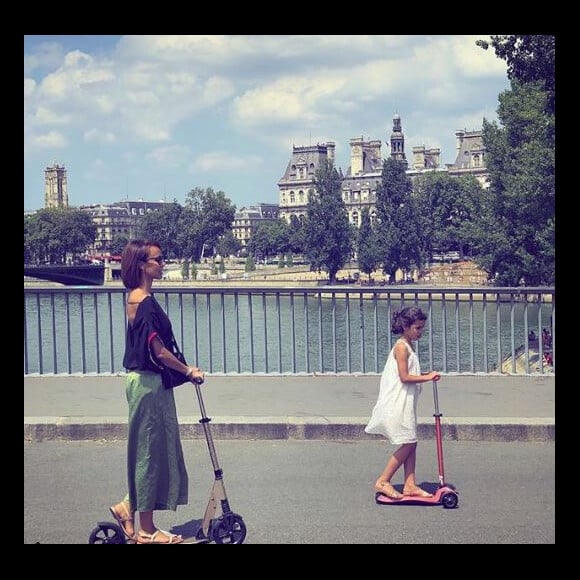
(405, 317)
(134, 253)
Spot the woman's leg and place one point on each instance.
(123, 513)
(149, 533)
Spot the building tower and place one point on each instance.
(398, 141)
(55, 187)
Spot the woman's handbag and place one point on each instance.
(170, 377)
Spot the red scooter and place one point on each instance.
(446, 494)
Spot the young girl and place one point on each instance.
(395, 413)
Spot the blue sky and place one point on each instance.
(152, 117)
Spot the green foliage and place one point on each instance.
(297, 235)
(208, 215)
(53, 233)
(163, 226)
(270, 239)
(517, 242)
(328, 243)
(118, 243)
(397, 226)
(447, 207)
(228, 245)
(530, 58)
(185, 271)
(368, 250)
(249, 265)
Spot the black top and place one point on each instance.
(150, 321)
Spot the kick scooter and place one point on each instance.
(446, 494)
(228, 528)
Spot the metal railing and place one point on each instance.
(297, 330)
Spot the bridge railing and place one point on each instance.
(297, 330)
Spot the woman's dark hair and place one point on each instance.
(134, 254)
(405, 317)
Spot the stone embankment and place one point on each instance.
(450, 274)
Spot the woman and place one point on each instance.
(157, 476)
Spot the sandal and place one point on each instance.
(124, 518)
(387, 489)
(145, 538)
(418, 492)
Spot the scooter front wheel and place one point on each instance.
(229, 529)
(107, 533)
(450, 500)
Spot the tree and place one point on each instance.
(397, 222)
(53, 233)
(518, 241)
(270, 239)
(207, 217)
(368, 252)
(446, 205)
(327, 239)
(228, 245)
(249, 265)
(530, 58)
(163, 226)
(296, 233)
(118, 244)
(185, 270)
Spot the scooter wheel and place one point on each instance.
(229, 529)
(106, 533)
(450, 500)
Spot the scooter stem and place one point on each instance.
(438, 436)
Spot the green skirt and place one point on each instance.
(155, 465)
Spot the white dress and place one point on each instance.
(395, 412)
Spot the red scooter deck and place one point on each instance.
(443, 494)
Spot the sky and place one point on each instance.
(153, 117)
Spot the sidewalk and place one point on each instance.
(473, 407)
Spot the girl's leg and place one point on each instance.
(399, 457)
(410, 486)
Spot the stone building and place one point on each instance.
(119, 219)
(55, 187)
(298, 178)
(470, 158)
(247, 219)
(362, 178)
(359, 184)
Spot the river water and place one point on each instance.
(280, 333)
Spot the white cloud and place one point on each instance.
(239, 101)
(223, 161)
(98, 136)
(173, 156)
(50, 140)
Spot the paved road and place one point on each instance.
(306, 492)
(473, 407)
